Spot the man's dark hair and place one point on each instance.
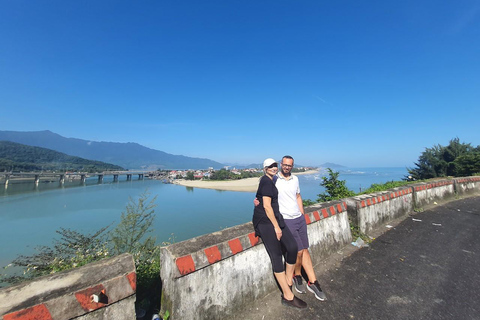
(287, 157)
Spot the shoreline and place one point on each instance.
(241, 185)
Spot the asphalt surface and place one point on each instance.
(428, 269)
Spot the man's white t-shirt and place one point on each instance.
(287, 196)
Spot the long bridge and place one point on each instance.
(36, 177)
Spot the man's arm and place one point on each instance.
(300, 203)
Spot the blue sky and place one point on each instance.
(359, 83)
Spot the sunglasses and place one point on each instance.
(273, 165)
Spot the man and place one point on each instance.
(291, 208)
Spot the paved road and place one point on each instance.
(428, 269)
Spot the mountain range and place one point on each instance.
(19, 157)
(127, 155)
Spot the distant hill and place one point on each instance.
(19, 157)
(128, 155)
(332, 165)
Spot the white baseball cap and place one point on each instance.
(268, 162)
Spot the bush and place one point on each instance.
(377, 187)
(335, 189)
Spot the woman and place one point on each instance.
(269, 225)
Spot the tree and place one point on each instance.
(468, 164)
(335, 189)
(130, 235)
(190, 175)
(440, 161)
(222, 174)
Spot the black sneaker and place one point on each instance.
(295, 302)
(315, 288)
(299, 285)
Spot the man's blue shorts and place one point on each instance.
(298, 228)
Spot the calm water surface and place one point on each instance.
(29, 218)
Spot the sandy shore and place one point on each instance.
(245, 185)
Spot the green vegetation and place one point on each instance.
(377, 187)
(133, 235)
(19, 157)
(457, 159)
(335, 189)
(73, 249)
(224, 174)
(307, 202)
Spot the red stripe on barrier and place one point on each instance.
(369, 202)
(253, 239)
(307, 218)
(363, 203)
(339, 208)
(213, 254)
(332, 210)
(84, 297)
(36, 312)
(324, 213)
(235, 246)
(185, 265)
(316, 215)
(374, 201)
(132, 279)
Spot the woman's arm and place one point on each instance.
(267, 204)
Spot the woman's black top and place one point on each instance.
(266, 188)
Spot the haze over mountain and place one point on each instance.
(128, 155)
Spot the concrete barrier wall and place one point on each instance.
(371, 210)
(467, 185)
(429, 192)
(212, 276)
(68, 294)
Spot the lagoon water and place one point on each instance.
(29, 218)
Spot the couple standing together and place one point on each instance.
(278, 219)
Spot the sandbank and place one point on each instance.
(243, 185)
